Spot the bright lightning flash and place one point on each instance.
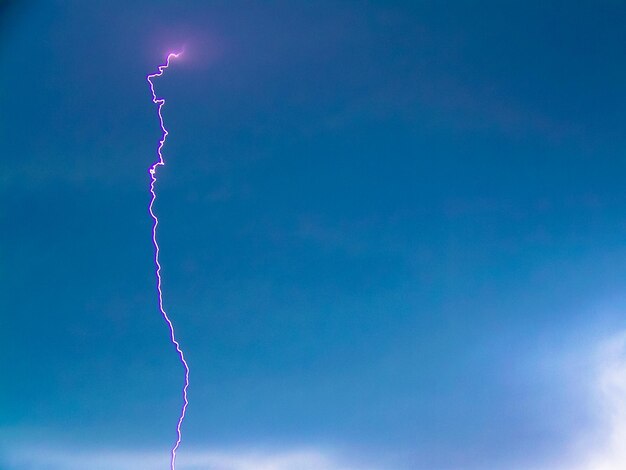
(160, 162)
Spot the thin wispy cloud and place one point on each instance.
(67, 459)
(600, 448)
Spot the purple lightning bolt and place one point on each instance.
(160, 162)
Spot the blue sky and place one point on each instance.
(392, 235)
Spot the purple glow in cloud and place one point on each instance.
(160, 162)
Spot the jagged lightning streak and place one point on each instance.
(160, 162)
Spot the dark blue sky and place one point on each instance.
(393, 233)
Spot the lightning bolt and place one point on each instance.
(161, 162)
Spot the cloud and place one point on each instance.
(601, 369)
(610, 448)
(56, 459)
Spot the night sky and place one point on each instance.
(393, 235)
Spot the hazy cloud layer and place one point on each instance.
(598, 450)
(58, 459)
